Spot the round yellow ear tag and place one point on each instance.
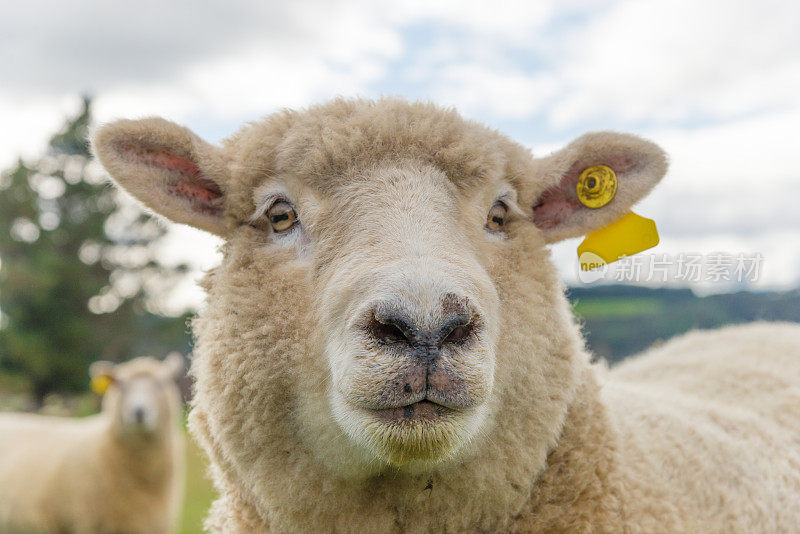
(100, 383)
(596, 187)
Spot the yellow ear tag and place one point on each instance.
(626, 236)
(100, 383)
(596, 186)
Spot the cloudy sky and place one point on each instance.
(716, 83)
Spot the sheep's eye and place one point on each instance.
(497, 217)
(281, 216)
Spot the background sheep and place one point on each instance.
(119, 471)
(386, 346)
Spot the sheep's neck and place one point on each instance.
(147, 462)
(580, 484)
(577, 487)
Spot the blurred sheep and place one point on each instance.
(121, 470)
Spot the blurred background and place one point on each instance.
(86, 275)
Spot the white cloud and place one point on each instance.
(623, 63)
(753, 150)
(716, 83)
(503, 93)
(233, 60)
(27, 123)
(647, 59)
(51, 47)
(508, 20)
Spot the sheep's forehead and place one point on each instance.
(139, 367)
(330, 145)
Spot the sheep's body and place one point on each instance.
(709, 428)
(328, 398)
(60, 474)
(698, 435)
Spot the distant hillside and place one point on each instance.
(622, 320)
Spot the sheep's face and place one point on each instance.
(385, 293)
(142, 398)
(407, 310)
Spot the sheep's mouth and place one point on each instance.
(422, 431)
(424, 411)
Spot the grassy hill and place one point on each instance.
(621, 320)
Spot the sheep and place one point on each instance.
(386, 347)
(121, 470)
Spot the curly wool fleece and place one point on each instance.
(391, 200)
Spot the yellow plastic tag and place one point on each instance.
(596, 186)
(626, 236)
(100, 383)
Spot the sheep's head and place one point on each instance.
(385, 288)
(140, 396)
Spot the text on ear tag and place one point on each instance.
(596, 186)
(626, 236)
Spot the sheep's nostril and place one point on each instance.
(456, 331)
(391, 326)
(389, 329)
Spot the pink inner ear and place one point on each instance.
(193, 185)
(202, 191)
(554, 206)
(561, 201)
(173, 162)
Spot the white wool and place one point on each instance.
(305, 402)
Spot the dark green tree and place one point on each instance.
(79, 279)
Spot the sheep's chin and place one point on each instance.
(411, 445)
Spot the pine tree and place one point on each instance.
(78, 270)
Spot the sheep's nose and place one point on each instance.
(138, 414)
(456, 324)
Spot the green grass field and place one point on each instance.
(615, 308)
(199, 491)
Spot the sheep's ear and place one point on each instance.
(167, 167)
(102, 374)
(101, 368)
(558, 211)
(174, 365)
